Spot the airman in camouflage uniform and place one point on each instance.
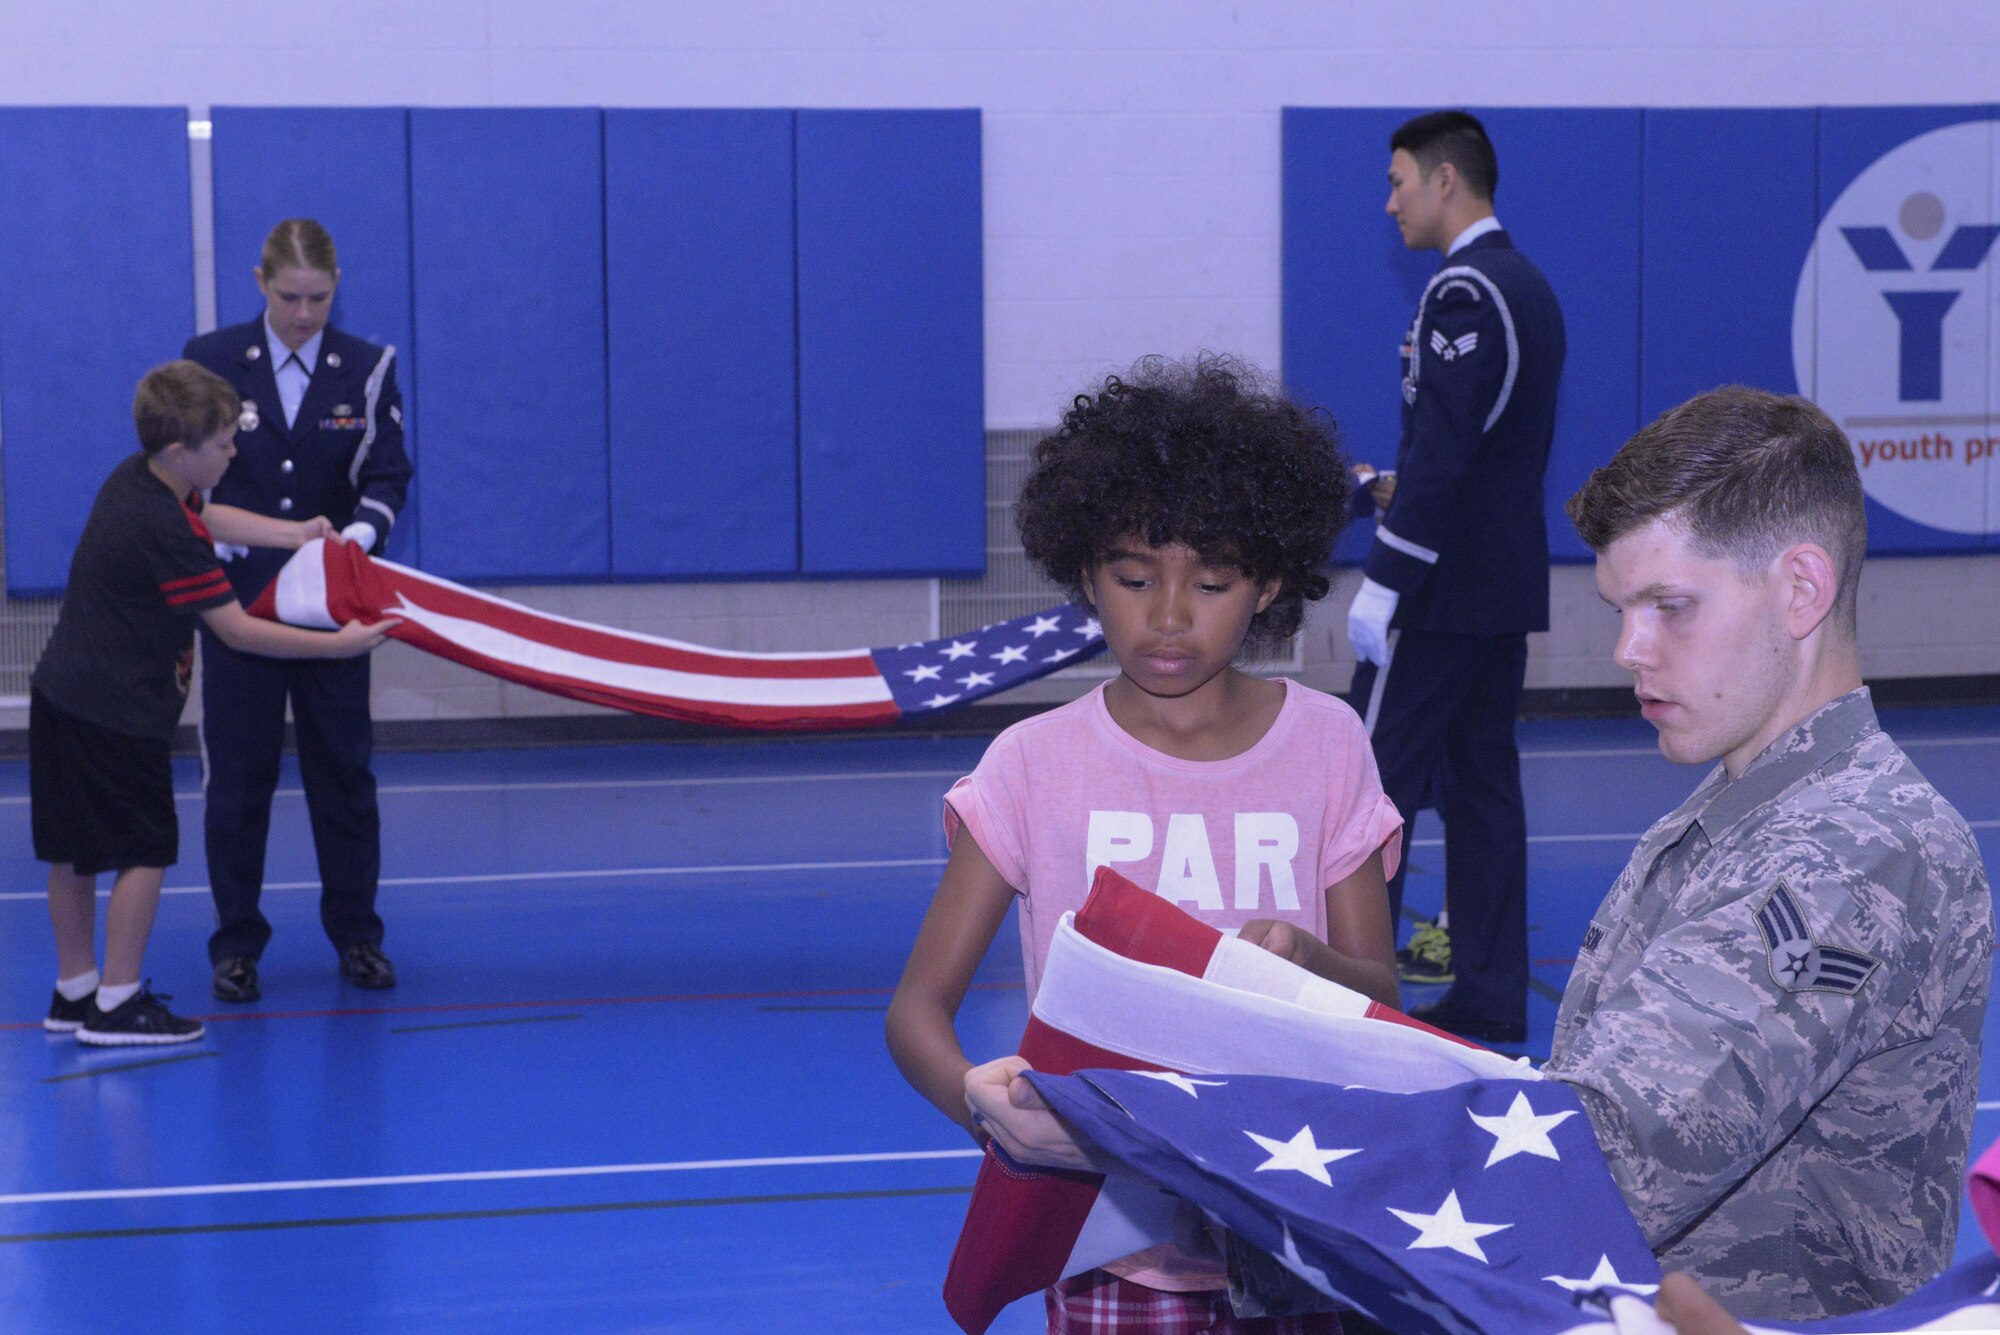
(1774, 1024)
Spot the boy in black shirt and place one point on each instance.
(109, 689)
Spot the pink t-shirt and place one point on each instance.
(1260, 835)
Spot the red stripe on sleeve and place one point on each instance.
(208, 577)
(202, 596)
(194, 522)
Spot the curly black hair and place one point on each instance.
(1207, 454)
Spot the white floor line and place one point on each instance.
(566, 785)
(751, 868)
(1551, 839)
(1630, 838)
(498, 877)
(583, 785)
(495, 1175)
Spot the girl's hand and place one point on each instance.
(1281, 939)
(1008, 1107)
(319, 526)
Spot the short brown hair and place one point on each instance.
(298, 243)
(1746, 473)
(182, 401)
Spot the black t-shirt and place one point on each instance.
(123, 645)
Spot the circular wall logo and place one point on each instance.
(1893, 327)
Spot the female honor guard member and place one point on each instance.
(321, 434)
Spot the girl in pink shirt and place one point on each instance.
(1194, 508)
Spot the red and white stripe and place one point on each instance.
(328, 584)
(1134, 983)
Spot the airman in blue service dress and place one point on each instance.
(1464, 544)
(340, 455)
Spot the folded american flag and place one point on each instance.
(327, 584)
(1481, 1207)
(1134, 981)
(1484, 1206)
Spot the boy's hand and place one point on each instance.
(358, 637)
(1281, 939)
(1382, 490)
(319, 526)
(1013, 1113)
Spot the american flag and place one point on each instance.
(1481, 1207)
(326, 584)
(1136, 982)
(940, 674)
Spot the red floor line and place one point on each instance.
(560, 1001)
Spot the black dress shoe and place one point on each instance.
(1443, 1015)
(364, 965)
(236, 979)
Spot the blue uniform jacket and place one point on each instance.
(343, 456)
(1464, 541)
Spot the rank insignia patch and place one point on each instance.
(1797, 962)
(1452, 349)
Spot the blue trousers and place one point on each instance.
(243, 700)
(1441, 717)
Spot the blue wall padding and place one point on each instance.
(1732, 200)
(1350, 286)
(1581, 225)
(349, 168)
(703, 343)
(891, 360)
(1850, 139)
(96, 287)
(507, 242)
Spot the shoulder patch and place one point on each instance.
(1797, 962)
(1459, 287)
(1451, 349)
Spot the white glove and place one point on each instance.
(229, 551)
(1368, 621)
(362, 532)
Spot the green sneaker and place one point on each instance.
(1427, 959)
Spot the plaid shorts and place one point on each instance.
(1097, 1302)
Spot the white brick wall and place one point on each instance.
(1131, 154)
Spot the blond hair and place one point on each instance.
(298, 243)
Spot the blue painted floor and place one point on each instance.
(633, 1078)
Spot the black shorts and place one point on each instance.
(101, 800)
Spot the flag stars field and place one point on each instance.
(1605, 1276)
(1182, 1083)
(1448, 1228)
(1521, 1131)
(1300, 1154)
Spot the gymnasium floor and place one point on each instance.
(634, 1076)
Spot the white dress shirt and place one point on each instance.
(294, 370)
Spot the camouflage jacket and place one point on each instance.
(1774, 1024)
